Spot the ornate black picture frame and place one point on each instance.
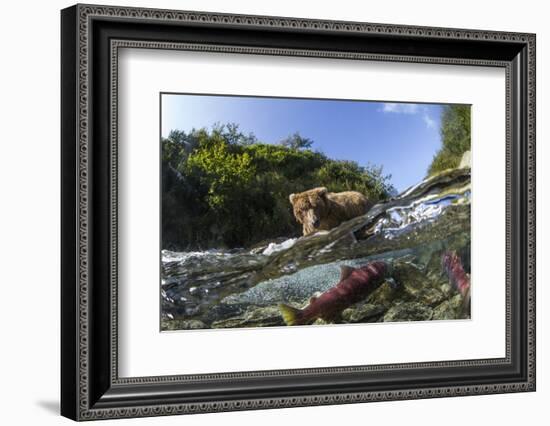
(91, 36)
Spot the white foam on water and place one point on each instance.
(274, 247)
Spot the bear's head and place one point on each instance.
(310, 207)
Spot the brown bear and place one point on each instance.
(318, 209)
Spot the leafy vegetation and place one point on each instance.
(223, 188)
(455, 137)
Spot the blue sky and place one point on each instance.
(402, 137)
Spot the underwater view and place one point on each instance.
(367, 219)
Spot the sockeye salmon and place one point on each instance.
(459, 279)
(355, 285)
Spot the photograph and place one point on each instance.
(279, 211)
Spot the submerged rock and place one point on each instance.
(431, 296)
(363, 313)
(384, 295)
(167, 325)
(408, 311)
(223, 310)
(450, 309)
(413, 285)
(447, 290)
(253, 317)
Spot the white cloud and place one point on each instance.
(409, 109)
(401, 108)
(430, 122)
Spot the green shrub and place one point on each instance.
(455, 138)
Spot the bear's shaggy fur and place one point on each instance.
(318, 209)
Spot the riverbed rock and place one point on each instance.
(363, 313)
(450, 309)
(431, 296)
(408, 311)
(223, 310)
(419, 286)
(384, 295)
(192, 324)
(447, 290)
(253, 317)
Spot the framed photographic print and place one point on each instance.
(263, 212)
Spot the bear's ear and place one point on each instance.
(291, 198)
(322, 191)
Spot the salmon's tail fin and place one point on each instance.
(292, 316)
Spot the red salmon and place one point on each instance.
(459, 279)
(355, 285)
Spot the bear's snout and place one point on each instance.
(313, 219)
